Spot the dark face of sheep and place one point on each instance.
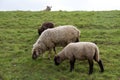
(35, 55)
(57, 60)
(40, 30)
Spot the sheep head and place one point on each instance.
(36, 52)
(57, 60)
(40, 30)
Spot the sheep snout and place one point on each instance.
(34, 56)
(57, 60)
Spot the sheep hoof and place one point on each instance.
(102, 71)
(89, 73)
(71, 70)
(49, 58)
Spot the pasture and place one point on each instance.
(18, 32)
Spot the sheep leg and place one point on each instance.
(54, 50)
(101, 65)
(90, 66)
(49, 54)
(72, 64)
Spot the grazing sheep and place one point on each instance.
(48, 8)
(81, 51)
(45, 26)
(58, 36)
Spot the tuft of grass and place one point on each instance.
(18, 32)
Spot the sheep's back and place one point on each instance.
(61, 34)
(80, 50)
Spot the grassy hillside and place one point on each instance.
(18, 32)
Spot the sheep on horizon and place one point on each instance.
(58, 36)
(48, 8)
(80, 51)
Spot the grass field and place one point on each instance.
(18, 32)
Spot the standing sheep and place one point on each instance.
(58, 36)
(45, 26)
(48, 8)
(81, 51)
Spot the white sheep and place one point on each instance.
(80, 51)
(58, 36)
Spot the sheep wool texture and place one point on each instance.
(58, 36)
(80, 51)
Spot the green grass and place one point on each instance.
(18, 32)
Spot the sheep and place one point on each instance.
(45, 26)
(48, 8)
(58, 36)
(80, 51)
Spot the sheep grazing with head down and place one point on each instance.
(80, 51)
(58, 36)
(45, 26)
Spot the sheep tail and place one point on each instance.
(96, 56)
